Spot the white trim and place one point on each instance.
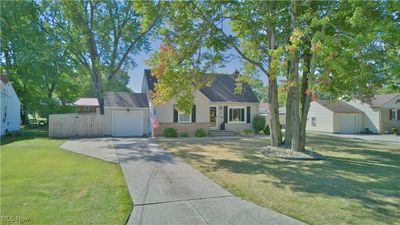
(238, 107)
(190, 118)
(216, 116)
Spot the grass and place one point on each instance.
(358, 184)
(47, 185)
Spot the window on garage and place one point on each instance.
(313, 121)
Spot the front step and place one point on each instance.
(221, 133)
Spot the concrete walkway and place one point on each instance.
(165, 190)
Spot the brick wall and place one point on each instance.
(188, 128)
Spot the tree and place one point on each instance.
(104, 35)
(196, 32)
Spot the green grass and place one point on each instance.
(48, 185)
(358, 184)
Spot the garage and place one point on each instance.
(347, 123)
(127, 124)
(126, 114)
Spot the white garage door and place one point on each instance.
(127, 124)
(348, 123)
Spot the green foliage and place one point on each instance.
(200, 132)
(266, 130)
(170, 132)
(184, 134)
(258, 123)
(394, 130)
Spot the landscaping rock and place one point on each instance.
(289, 154)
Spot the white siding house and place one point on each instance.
(334, 117)
(10, 107)
(381, 113)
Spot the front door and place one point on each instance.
(213, 117)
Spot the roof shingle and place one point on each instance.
(125, 99)
(339, 107)
(221, 90)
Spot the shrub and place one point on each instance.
(266, 130)
(184, 134)
(200, 132)
(394, 130)
(258, 123)
(170, 132)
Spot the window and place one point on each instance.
(393, 114)
(237, 115)
(86, 108)
(184, 118)
(313, 121)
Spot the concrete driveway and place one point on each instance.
(165, 190)
(384, 138)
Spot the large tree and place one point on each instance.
(105, 35)
(339, 48)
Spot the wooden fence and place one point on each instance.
(76, 125)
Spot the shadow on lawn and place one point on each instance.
(370, 177)
(23, 134)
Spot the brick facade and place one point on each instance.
(189, 128)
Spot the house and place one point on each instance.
(87, 105)
(10, 107)
(216, 107)
(381, 113)
(264, 111)
(334, 117)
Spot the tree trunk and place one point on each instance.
(276, 136)
(305, 95)
(289, 103)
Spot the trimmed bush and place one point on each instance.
(258, 123)
(184, 134)
(200, 132)
(266, 130)
(170, 132)
(247, 133)
(394, 130)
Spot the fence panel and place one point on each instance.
(76, 125)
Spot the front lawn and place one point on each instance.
(358, 184)
(43, 184)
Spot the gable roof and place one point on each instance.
(338, 107)
(125, 99)
(221, 90)
(87, 102)
(381, 99)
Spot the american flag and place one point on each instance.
(155, 122)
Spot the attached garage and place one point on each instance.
(126, 114)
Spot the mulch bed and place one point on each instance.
(284, 153)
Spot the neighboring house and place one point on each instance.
(216, 107)
(10, 107)
(264, 111)
(334, 117)
(381, 113)
(87, 105)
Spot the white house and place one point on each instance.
(381, 113)
(10, 107)
(334, 117)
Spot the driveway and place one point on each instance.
(384, 138)
(165, 190)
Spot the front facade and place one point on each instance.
(381, 114)
(215, 108)
(10, 107)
